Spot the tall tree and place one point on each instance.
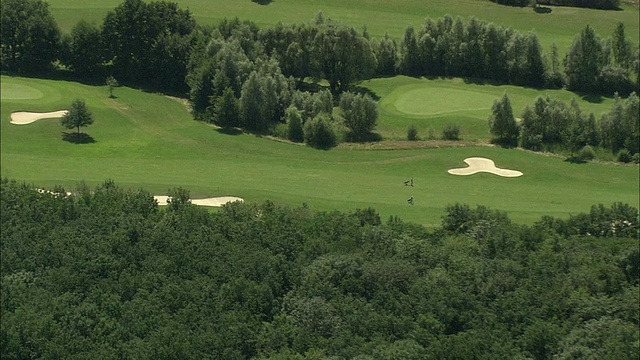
(226, 110)
(82, 49)
(583, 61)
(30, 38)
(342, 56)
(360, 113)
(535, 70)
(386, 53)
(293, 118)
(621, 47)
(409, 53)
(77, 116)
(252, 105)
(149, 43)
(502, 124)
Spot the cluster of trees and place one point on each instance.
(108, 274)
(242, 77)
(473, 48)
(605, 66)
(550, 124)
(146, 44)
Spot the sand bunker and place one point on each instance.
(477, 164)
(24, 117)
(215, 201)
(162, 199)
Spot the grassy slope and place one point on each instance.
(438, 102)
(148, 140)
(380, 16)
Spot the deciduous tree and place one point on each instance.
(77, 116)
(583, 61)
(83, 49)
(30, 37)
(502, 124)
(360, 113)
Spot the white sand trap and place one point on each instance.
(25, 117)
(215, 201)
(477, 164)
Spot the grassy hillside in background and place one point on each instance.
(560, 25)
(150, 141)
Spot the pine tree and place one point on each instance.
(226, 109)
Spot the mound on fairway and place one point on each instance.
(477, 164)
(25, 117)
(214, 201)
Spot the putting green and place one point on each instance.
(14, 91)
(438, 100)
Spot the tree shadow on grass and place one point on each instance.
(78, 138)
(364, 91)
(575, 160)
(362, 138)
(592, 98)
(542, 9)
(229, 131)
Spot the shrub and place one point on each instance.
(451, 132)
(280, 131)
(431, 134)
(319, 133)
(636, 158)
(624, 156)
(293, 118)
(586, 153)
(412, 133)
(360, 114)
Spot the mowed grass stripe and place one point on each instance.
(151, 141)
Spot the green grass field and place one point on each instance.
(150, 141)
(438, 102)
(380, 16)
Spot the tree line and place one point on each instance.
(594, 4)
(551, 125)
(106, 273)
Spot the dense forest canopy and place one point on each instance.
(106, 273)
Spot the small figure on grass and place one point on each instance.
(409, 182)
(410, 200)
(112, 83)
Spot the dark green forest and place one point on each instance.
(106, 274)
